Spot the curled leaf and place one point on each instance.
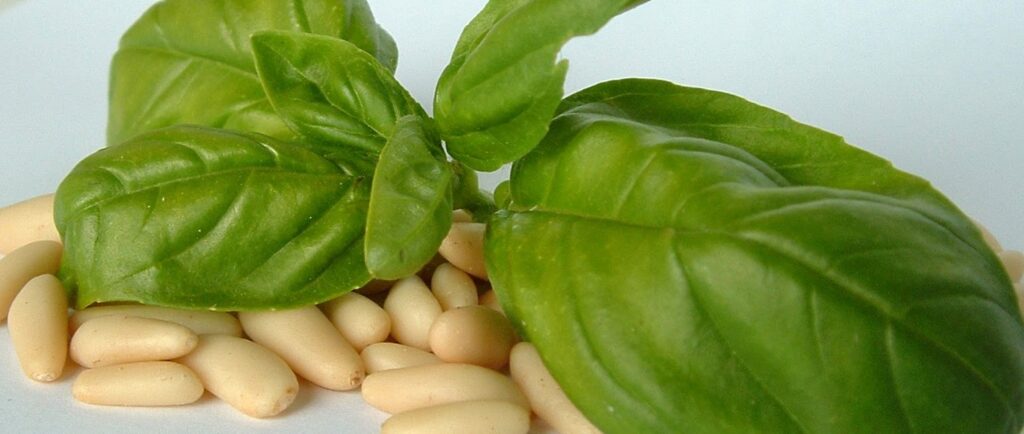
(495, 99)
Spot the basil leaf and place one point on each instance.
(209, 219)
(411, 202)
(329, 91)
(495, 99)
(190, 61)
(687, 261)
(339, 100)
(469, 196)
(503, 195)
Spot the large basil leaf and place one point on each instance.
(329, 91)
(687, 261)
(411, 202)
(496, 97)
(190, 61)
(202, 218)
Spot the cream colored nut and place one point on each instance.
(389, 355)
(413, 310)
(464, 248)
(202, 322)
(21, 265)
(472, 334)
(26, 222)
(143, 384)
(990, 239)
(244, 374)
(361, 321)
(117, 339)
(490, 300)
(400, 390)
(453, 287)
(546, 398)
(311, 345)
(39, 328)
(469, 417)
(1013, 262)
(461, 216)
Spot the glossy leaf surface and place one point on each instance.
(411, 202)
(209, 219)
(329, 91)
(496, 97)
(687, 261)
(190, 61)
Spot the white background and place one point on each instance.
(935, 86)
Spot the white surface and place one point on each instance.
(934, 86)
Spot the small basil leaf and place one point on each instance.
(687, 261)
(411, 202)
(190, 61)
(495, 99)
(201, 218)
(503, 195)
(329, 91)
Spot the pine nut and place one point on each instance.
(489, 299)
(143, 384)
(472, 334)
(413, 310)
(546, 398)
(244, 374)
(361, 321)
(469, 417)
(21, 265)
(464, 248)
(26, 222)
(201, 322)
(400, 390)
(389, 355)
(461, 216)
(990, 239)
(39, 328)
(452, 287)
(1013, 262)
(117, 339)
(311, 345)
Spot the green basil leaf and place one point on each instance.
(411, 202)
(687, 261)
(496, 97)
(201, 218)
(503, 195)
(190, 61)
(469, 196)
(329, 91)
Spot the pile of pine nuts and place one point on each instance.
(431, 349)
